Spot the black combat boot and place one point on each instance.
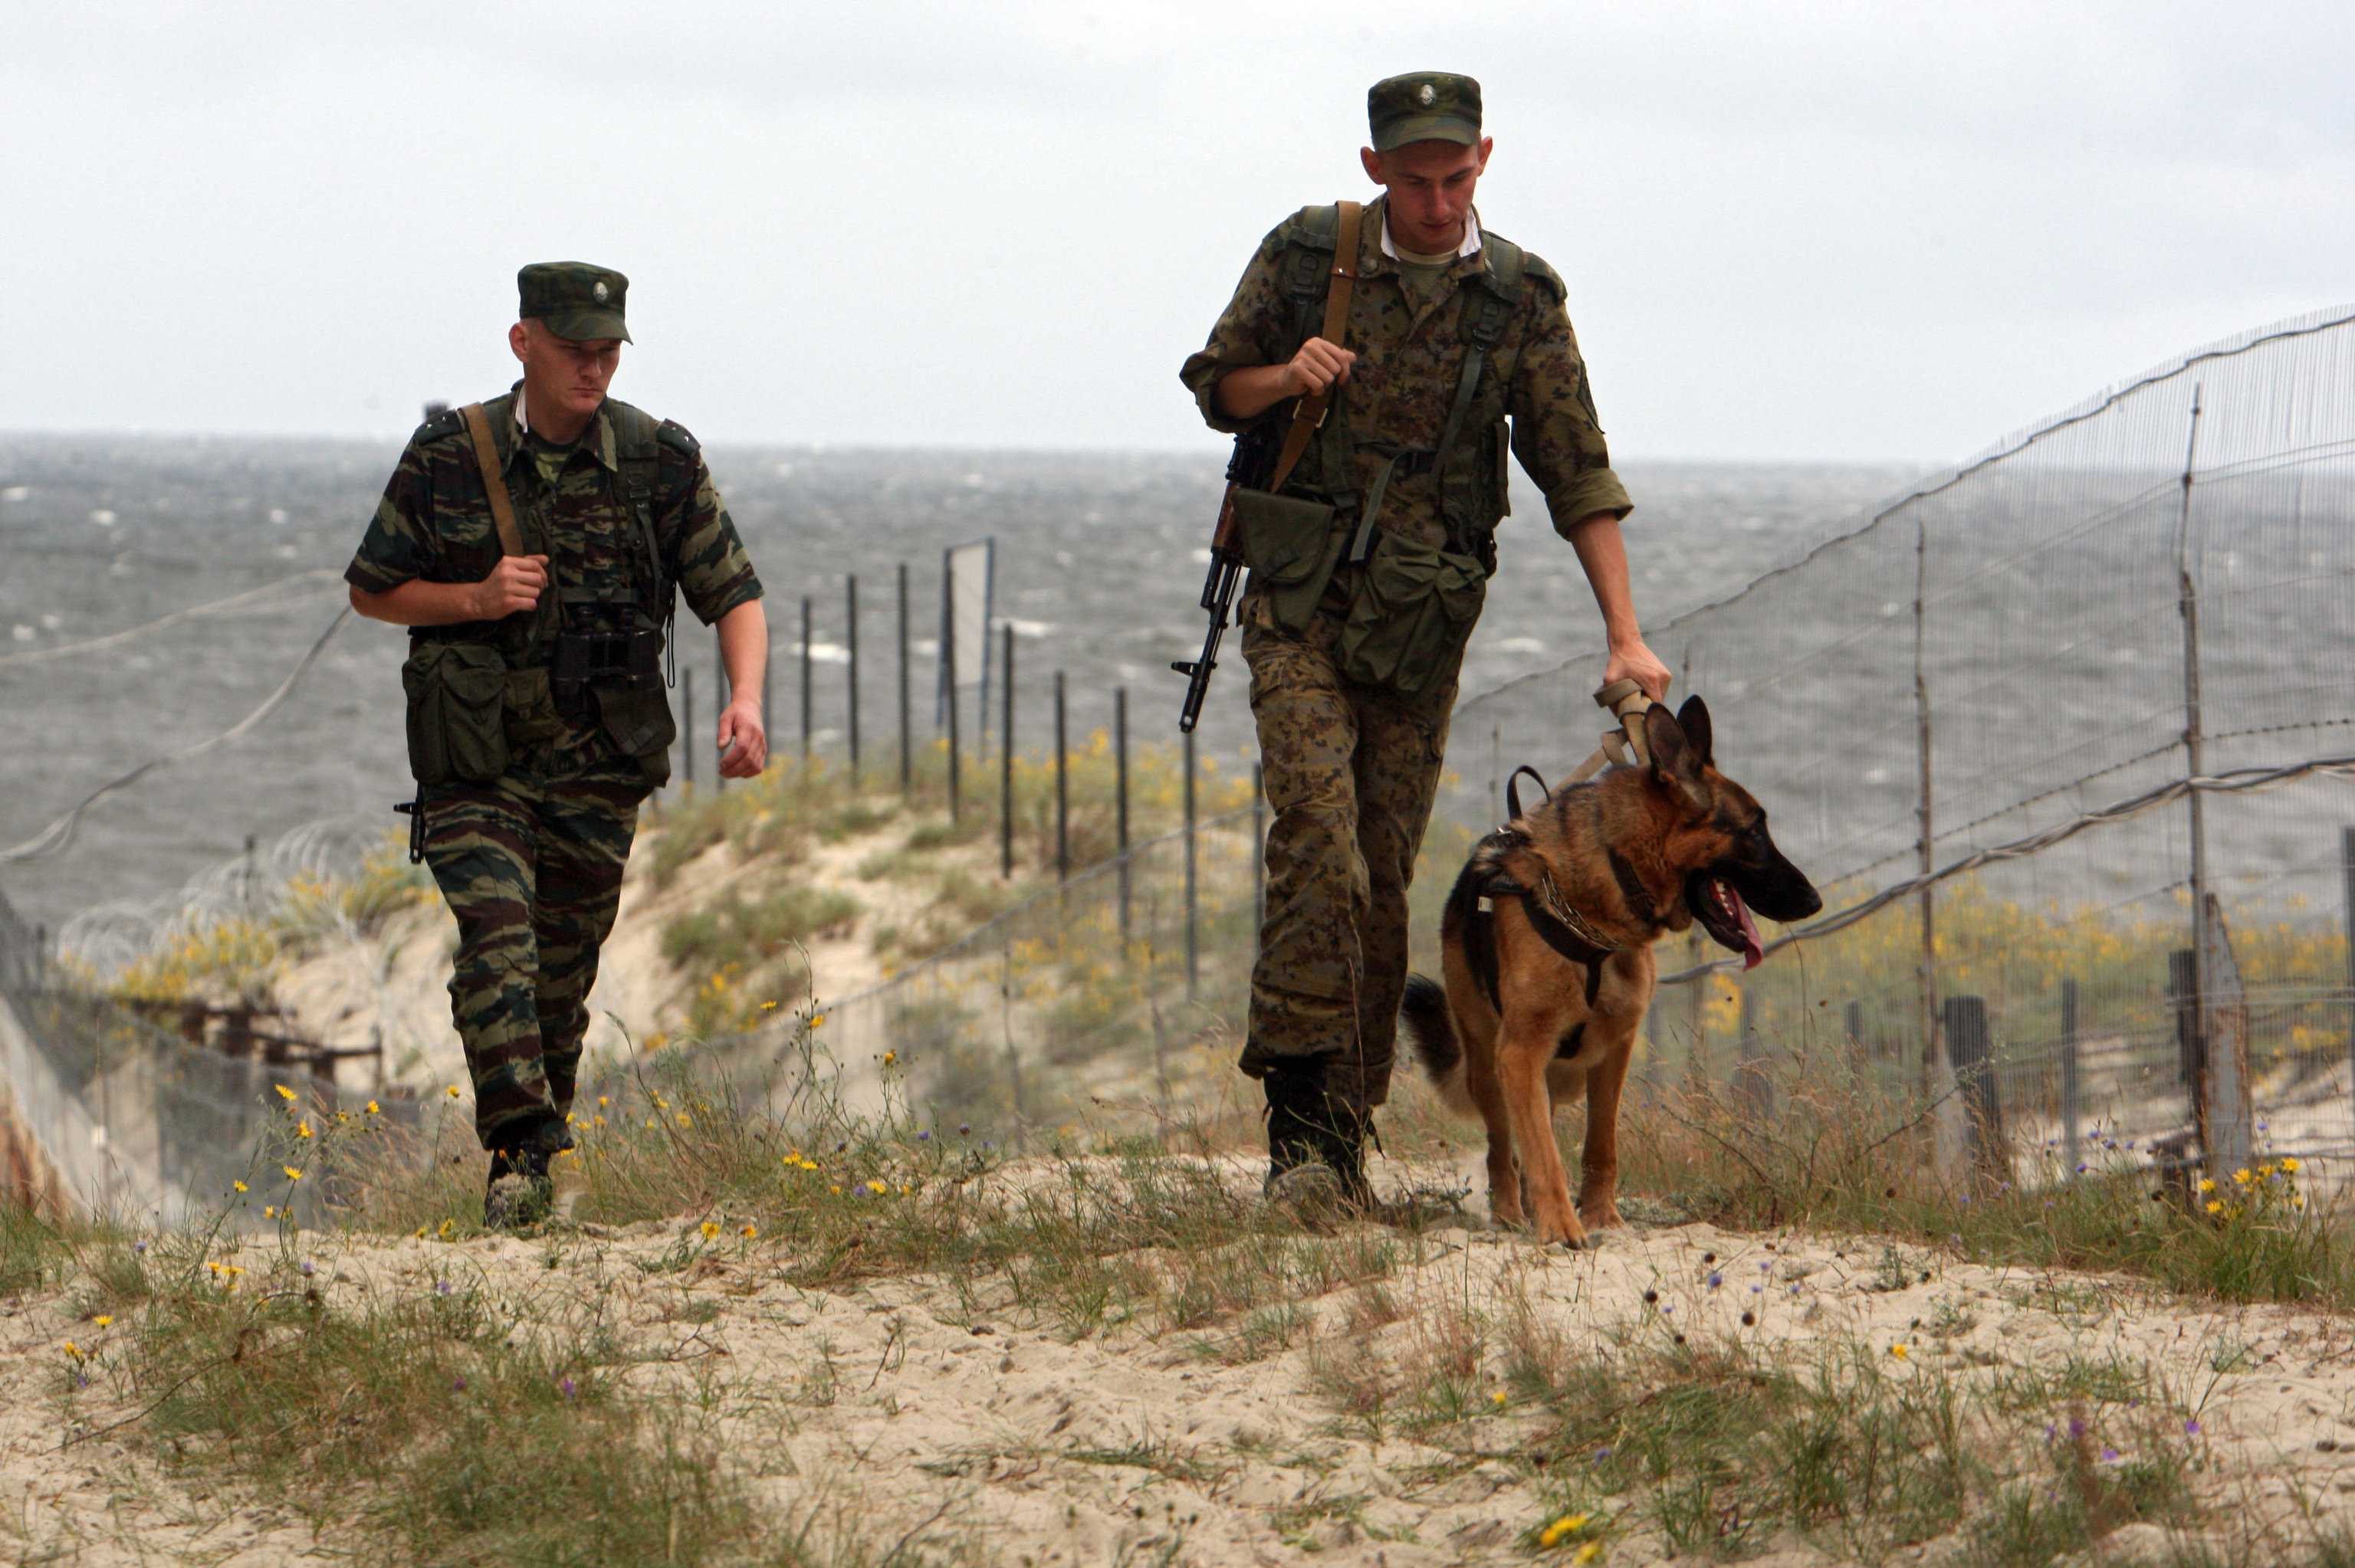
(1315, 1144)
(521, 1193)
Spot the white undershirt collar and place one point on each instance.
(1470, 246)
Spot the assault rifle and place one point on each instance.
(1254, 458)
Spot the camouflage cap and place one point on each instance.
(575, 300)
(1424, 106)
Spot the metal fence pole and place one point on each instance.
(1005, 767)
(719, 695)
(1062, 787)
(1259, 851)
(809, 719)
(1966, 1024)
(948, 679)
(1120, 797)
(1193, 935)
(1926, 835)
(2072, 1091)
(907, 735)
(2347, 878)
(2195, 767)
(1859, 1061)
(851, 644)
(686, 705)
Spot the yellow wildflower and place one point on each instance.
(2291, 1166)
(371, 1108)
(710, 1230)
(269, 1211)
(768, 1007)
(446, 1224)
(604, 1100)
(837, 1191)
(420, 1232)
(877, 1188)
(890, 1057)
(1588, 1553)
(1499, 1396)
(102, 1320)
(2207, 1183)
(1569, 1524)
(453, 1091)
(284, 1093)
(239, 1186)
(2215, 1205)
(291, 1173)
(1897, 1351)
(72, 1349)
(683, 1121)
(752, 1231)
(302, 1129)
(2241, 1176)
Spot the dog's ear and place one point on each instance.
(1675, 764)
(1693, 719)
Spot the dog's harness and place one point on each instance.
(1550, 915)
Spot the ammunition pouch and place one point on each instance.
(1291, 546)
(1413, 612)
(457, 702)
(603, 658)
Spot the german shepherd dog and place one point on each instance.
(1546, 947)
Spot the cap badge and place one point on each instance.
(1428, 96)
(601, 292)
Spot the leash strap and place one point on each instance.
(486, 458)
(1311, 412)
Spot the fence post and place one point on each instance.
(687, 733)
(719, 695)
(907, 737)
(809, 719)
(1852, 1021)
(2347, 877)
(1193, 943)
(1754, 1089)
(1063, 785)
(1006, 767)
(949, 680)
(1259, 852)
(2072, 1091)
(1120, 797)
(850, 645)
(1966, 1026)
(2191, 1039)
(1497, 772)
(1924, 843)
(2195, 767)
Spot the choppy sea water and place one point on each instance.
(1096, 568)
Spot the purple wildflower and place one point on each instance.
(924, 1135)
(1715, 1281)
(139, 1246)
(2191, 1428)
(964, 1127)
(2109, 1455)
(1601, 1454)
(2077, 1427)
(566, 1388)
(459, 1387)
(440, 1287)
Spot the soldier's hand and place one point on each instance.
(1638, 662)
(743, 744)
(515, 584)
(1319, 366)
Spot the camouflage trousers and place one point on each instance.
(1350, 775)
(531, 866)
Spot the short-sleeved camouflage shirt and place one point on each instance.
(1411, 356)
(434, 523)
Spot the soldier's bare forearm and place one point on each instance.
(1253, 390)
(743, 649)
(1603, 555)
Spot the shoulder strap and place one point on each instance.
(1311, 412)
(495, 483)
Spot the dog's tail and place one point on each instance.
(1431, 1034)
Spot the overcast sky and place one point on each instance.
(1803, 230)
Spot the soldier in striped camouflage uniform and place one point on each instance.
(538, 716)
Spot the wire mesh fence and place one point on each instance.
(1124, 987)
(2063, 735)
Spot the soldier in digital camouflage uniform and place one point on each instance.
(1353, 674)
(533, 741)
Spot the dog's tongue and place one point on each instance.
(1753, 951)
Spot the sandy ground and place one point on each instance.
(973, 1425)
(394, 986)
